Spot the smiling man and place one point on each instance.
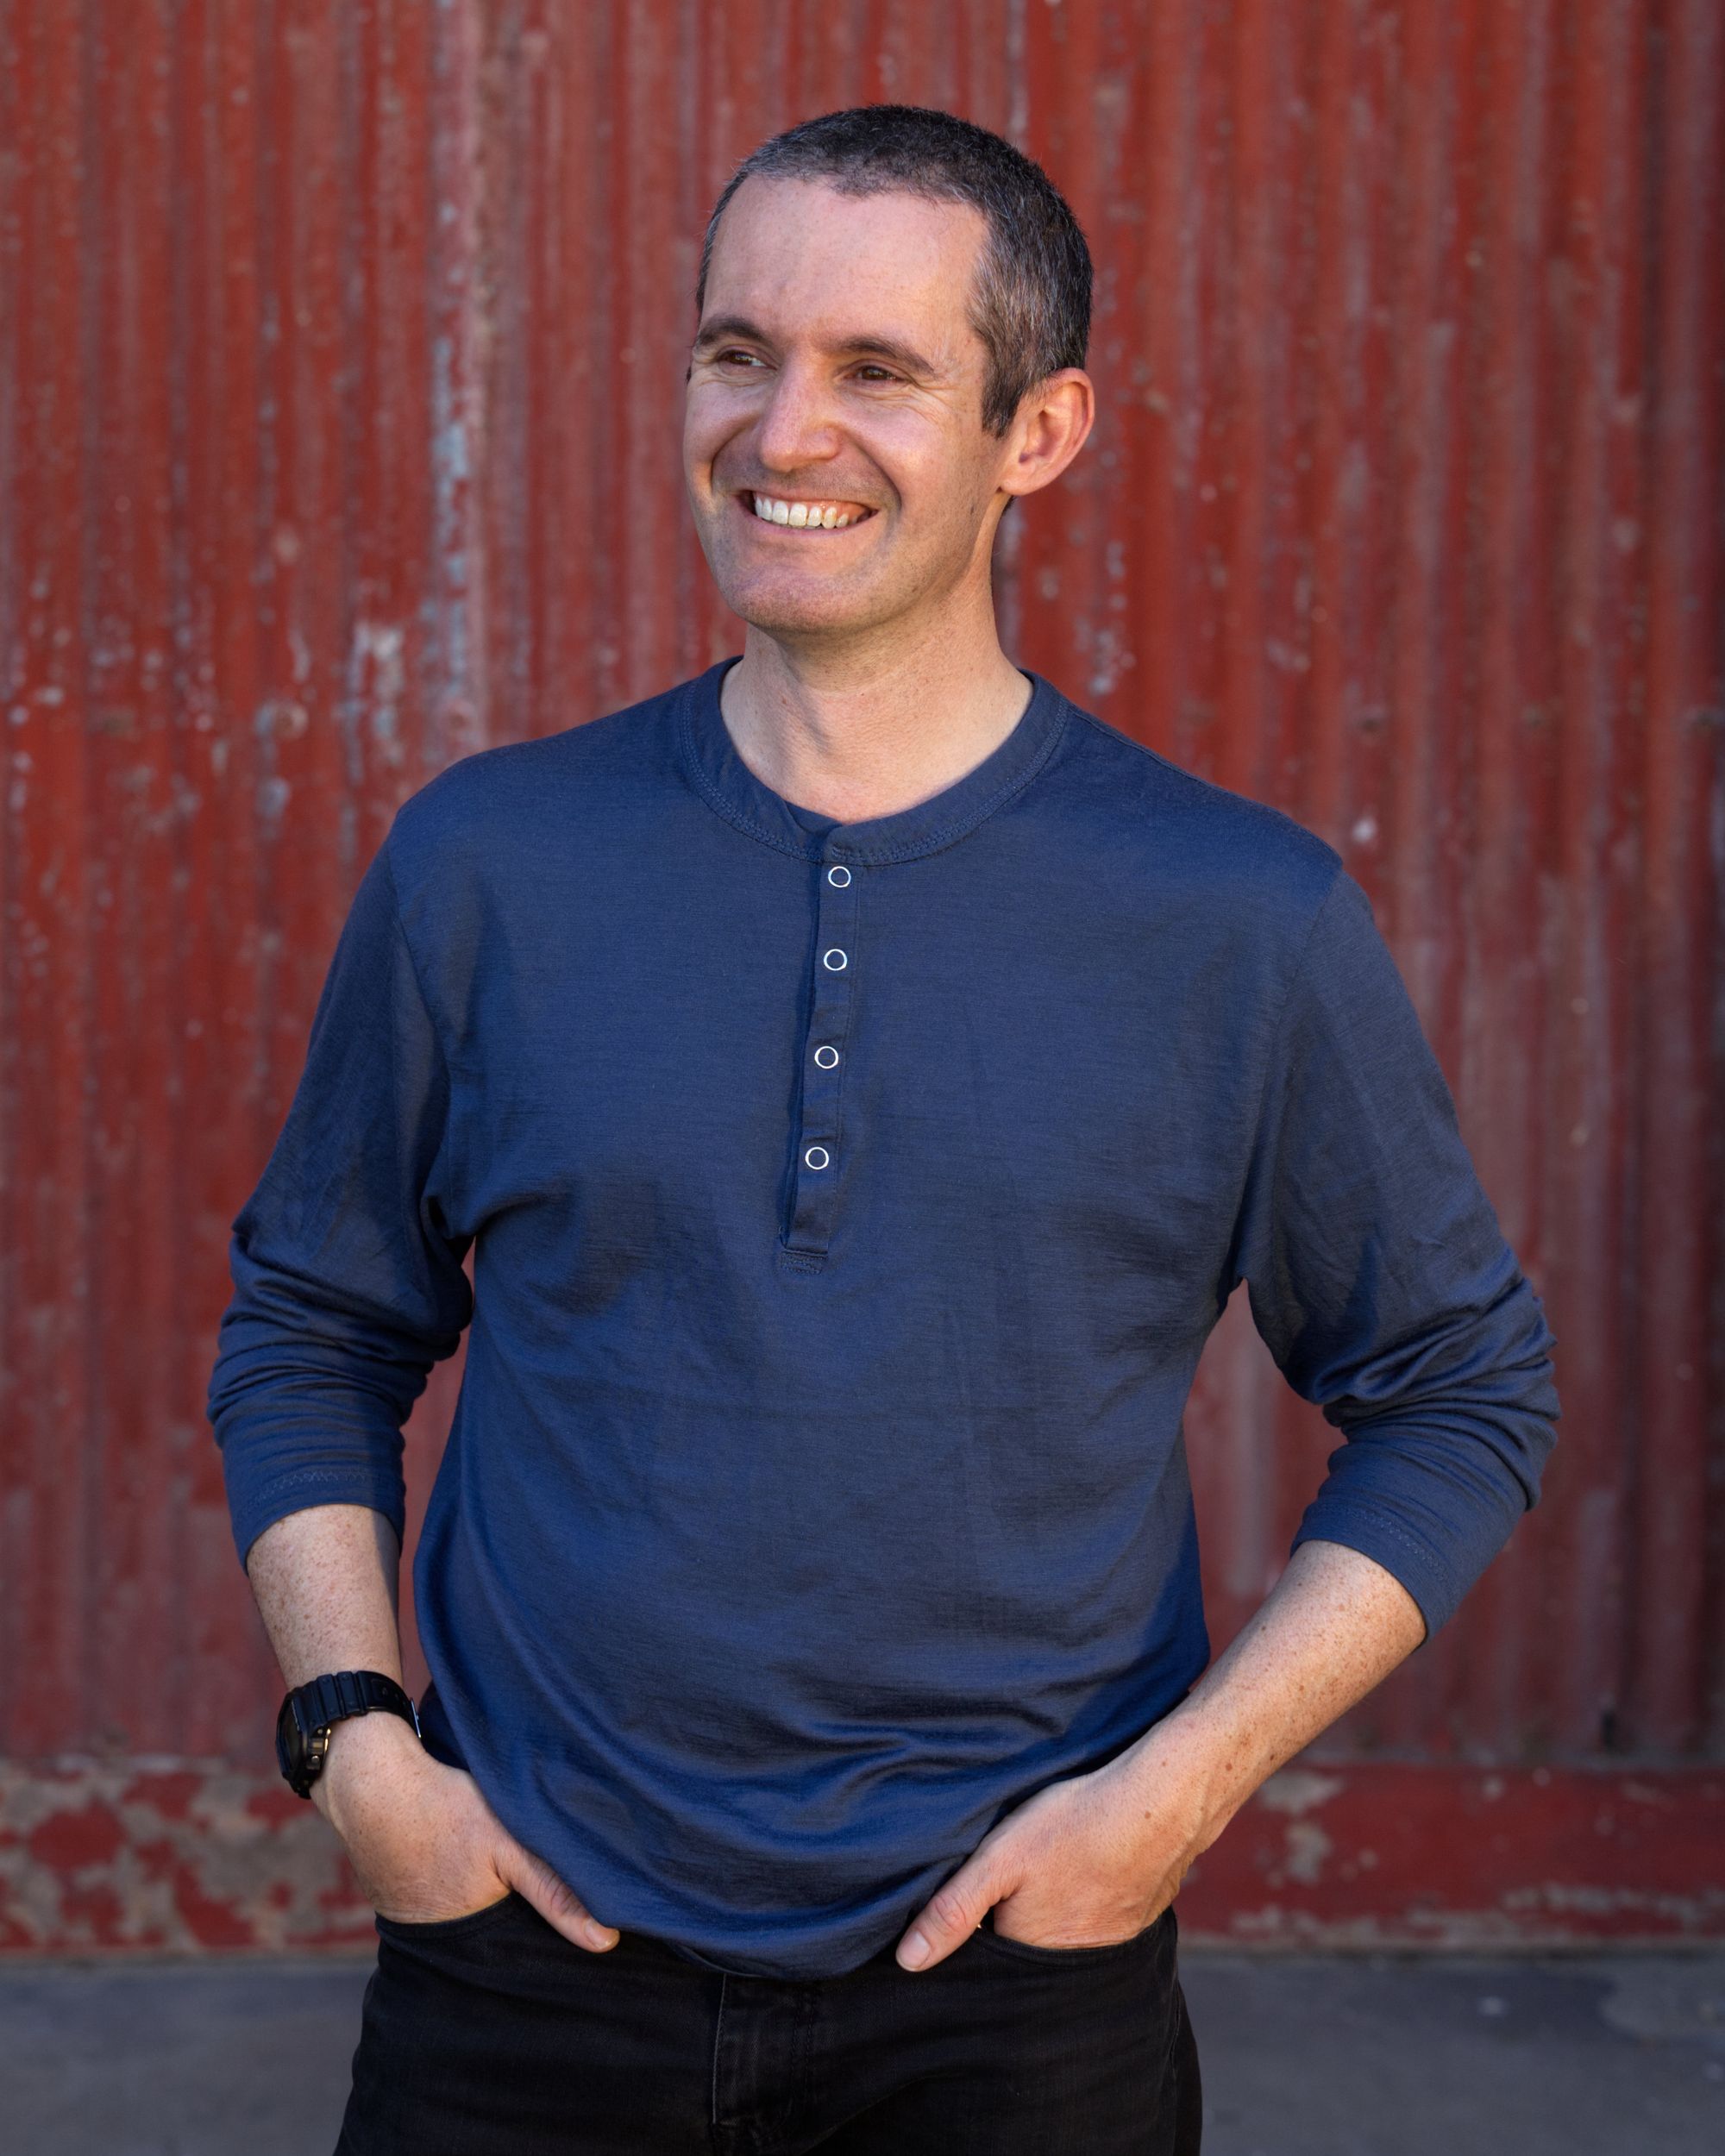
(862, 1077)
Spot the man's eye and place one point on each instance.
(870, 366)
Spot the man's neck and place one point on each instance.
(870, 735)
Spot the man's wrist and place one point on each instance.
(362, 1747)
(1198, 1745)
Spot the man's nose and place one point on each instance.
(797, 425)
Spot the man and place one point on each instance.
(862, 1077)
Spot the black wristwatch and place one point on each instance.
(302, 1728)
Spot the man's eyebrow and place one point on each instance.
(723, 328)
(901, 355)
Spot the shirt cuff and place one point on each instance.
(1404, 1553)
(252, 1510)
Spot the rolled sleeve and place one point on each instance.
(1380, 1280)
(348, 1279)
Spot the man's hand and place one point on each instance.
(425, 1843)
(1087, 1862)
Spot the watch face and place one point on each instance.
(299, 1751)
(290, 1743)
(302, 1725)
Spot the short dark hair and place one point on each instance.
(1030, 306)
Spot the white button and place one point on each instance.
(817, 1156)
(826, 1057)
(833, 960)
(840, 875)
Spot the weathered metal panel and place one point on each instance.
(341, 361)
(191, 1856)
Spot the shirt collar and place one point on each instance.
(731, 787)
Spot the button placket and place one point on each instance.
(819, 1153)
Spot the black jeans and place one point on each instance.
(492, 2035)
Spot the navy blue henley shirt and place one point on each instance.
(850, 1203)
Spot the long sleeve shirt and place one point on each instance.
(849, 1205)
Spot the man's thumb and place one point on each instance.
(950, 1917)
(562, 1908)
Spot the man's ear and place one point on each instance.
(1048, 429)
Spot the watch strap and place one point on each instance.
(344, 1693)
(310, 1710)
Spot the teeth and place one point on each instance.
(804, 515)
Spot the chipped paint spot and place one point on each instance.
(1702, 1913)
(1296, 1789)
(373, 690)
(1308, 1847)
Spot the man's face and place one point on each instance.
(834, 370)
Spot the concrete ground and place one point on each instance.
(1344, 2056)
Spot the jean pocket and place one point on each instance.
(1075, 1957)
(450, 1927)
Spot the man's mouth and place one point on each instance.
(804, 515)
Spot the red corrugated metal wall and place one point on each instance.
(340, 361)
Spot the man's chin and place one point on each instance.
(780, 613)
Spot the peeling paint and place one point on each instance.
(185, 1859)
(190, 1856)
(1453, 1858)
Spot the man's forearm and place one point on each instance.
(325, 1584)
(1333, 1627)
(423, 1842)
